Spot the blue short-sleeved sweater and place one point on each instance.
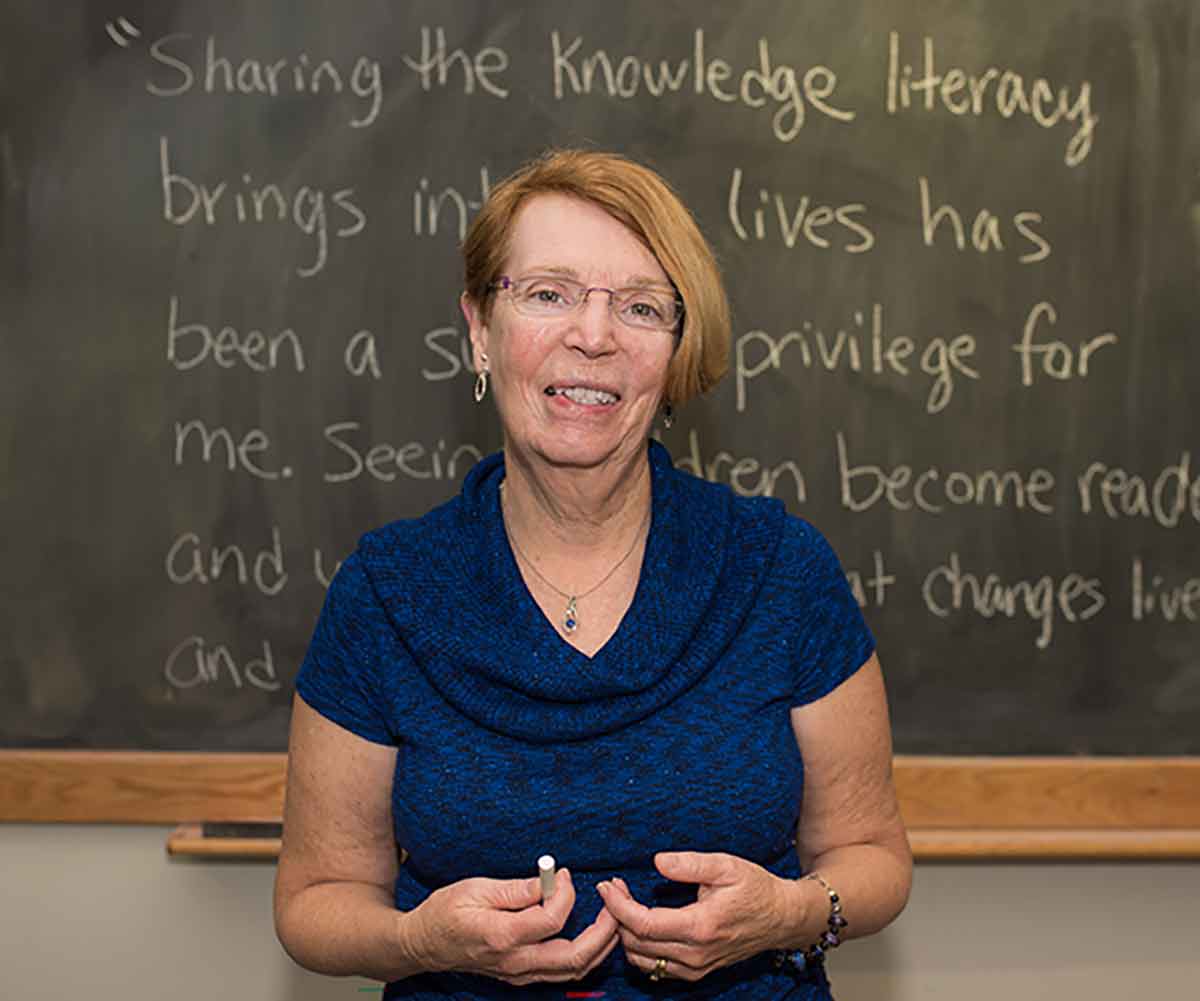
(511, 743)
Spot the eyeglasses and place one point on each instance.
(550, 297)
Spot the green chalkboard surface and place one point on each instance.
(962, 241)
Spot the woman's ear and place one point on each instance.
(473, 313)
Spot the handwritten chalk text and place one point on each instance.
(746, 475)
(963, 93)
(220, 203)
(1152, 597)
(298, 75)
(194, 662)
(1168, 497)
(932, 490)
(948, 589)
(777, 217)
(193, 344)
(859, 350)
(790, 92)
(191, 561)
(386, 462)
(1058, 359)
(219, 445)
(987, 230)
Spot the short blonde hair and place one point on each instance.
(641, 200)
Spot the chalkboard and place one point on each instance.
(962, 242)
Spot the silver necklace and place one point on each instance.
(570, 619)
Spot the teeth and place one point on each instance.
(578, 394)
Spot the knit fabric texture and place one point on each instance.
(675, 736)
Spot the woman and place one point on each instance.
(590, 654)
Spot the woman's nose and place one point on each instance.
(594, 322)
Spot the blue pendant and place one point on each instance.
(570, 616)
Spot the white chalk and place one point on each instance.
(546, 876)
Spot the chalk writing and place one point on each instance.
(189, 561)
(791, 92)
(1169, 498)
(428, 207)
(933, 490)
(856, 349)
(437, 63)
(871, 590)
(361, 356)
(963, 93)
(1150, 596)
(193, 344)
(791, 220)
(322, 574)
(948, 589)
(296, 75)
(219, 445)
(1059, 360)
(987, 230)
(385, 462)
(194, 662)
(746, 475)
(307, 208)
(453, 347)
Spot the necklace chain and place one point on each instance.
(571, 613)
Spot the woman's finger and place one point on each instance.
(564, 959)
(504, 894)
(561, 959)
(692, 957)
(539, 921)
(664, 925)
(665, 966)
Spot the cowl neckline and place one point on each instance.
(462, 608)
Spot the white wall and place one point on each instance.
(101, 913)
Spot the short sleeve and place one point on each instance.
(340, 674)
(831, 637)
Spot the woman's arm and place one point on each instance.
(850, 832)
(334, 910)
(333, 890)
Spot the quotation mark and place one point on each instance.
(122, 32)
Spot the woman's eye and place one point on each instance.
(546, 295)
(646, 309)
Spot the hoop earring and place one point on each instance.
(668, 415)
(481, 381)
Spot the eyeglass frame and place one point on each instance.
(506, 283)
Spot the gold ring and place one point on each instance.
(660, 969)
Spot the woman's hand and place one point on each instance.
(501, 929)
(740, 911)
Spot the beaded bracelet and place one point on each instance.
(814, 955)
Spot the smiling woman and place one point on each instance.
(576, 382)
(667, 686)
(653, 215)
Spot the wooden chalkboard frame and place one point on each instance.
(956, 807)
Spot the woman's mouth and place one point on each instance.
(585, 395)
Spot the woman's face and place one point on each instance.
(537, 365)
